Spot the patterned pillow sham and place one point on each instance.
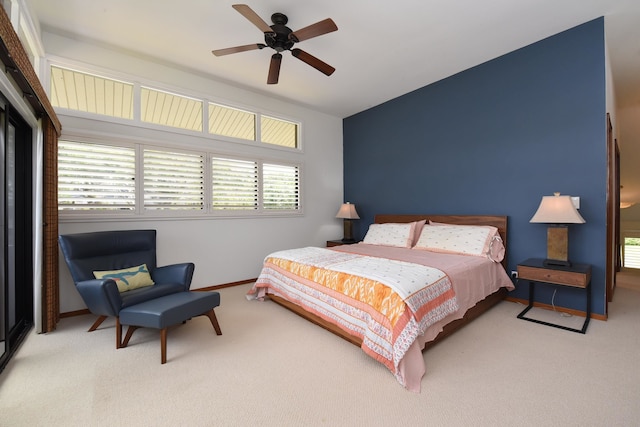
(478, 240)
(390, 234)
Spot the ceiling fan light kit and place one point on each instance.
(279, 37)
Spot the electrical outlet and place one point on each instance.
(514, 274)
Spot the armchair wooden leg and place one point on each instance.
(163, 346)
(214, 321)
(97, 323)
(127, 337)
(118, 333)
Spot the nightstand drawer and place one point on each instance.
(567, 278)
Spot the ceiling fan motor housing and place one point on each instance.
(279, 40)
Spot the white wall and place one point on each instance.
(223, 250)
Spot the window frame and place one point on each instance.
(207, 211)
(96, 129)
(138, 84)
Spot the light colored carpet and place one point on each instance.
(629, 278)
(272, 368)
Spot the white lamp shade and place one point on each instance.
(557, 209)
(347, 211)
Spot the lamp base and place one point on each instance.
(557, 246)
(556, 263)
(348, 234)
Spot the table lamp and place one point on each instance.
(348, 213)
(558, 211)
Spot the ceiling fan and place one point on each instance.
(279, 37)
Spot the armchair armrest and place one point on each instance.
(175, 273)
(101, 296)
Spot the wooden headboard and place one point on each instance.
(498, 221)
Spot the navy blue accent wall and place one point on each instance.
(494, 139)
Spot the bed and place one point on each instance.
(413, 280)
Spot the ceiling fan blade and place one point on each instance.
(248, 13)
(274, 69)
(319, 65)
(314, 30)
(230, 50)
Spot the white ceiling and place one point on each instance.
(382, 49)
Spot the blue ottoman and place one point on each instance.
(169, 310)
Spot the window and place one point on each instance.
(186, 178)
(281, 187)
(95, 177)
(173, 181)
(90, 94)
(167, 109)
(631, 249)
(101, 178)
(279, 132)
(234, 184)
(227, 121)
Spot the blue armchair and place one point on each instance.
(85, 253)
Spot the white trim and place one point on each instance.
(30, 27)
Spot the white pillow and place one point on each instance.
(390, 234)
(478, 240)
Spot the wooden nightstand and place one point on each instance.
(331, 243)
(576, 276)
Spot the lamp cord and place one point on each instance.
(562, 313)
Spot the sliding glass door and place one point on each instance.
(16, 235)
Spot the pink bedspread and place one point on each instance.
(395, 343)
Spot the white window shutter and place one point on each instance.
(173, 180)
(95, 177)
(234, 184)
(281, 187)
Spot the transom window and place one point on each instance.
(94, 94)
(279, 132)
(88, 93)
(232, 122)
(167, 109)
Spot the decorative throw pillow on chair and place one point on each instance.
(128, 278)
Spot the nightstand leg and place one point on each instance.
(531, 299)
(586, 321)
